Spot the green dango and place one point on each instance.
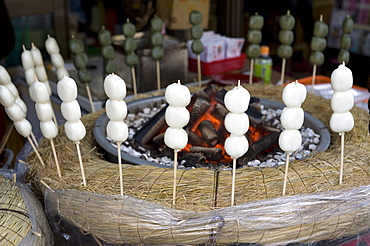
(104, 37)
(253, 51)
(76, 46)
(110, 67)
(347, 25)
(287, 22)
(254, 36)
(286, 37)
(196, 31)
(284, 51)
(131, 59)
(108, 52)
(255, 22)
(345, 41)
(343, 56)
(79, 61)
(128, 29)
(84, 76)
(156, 39)
(156, 24)
(320, 29)
(157, 53)
(130, 44)
(318, 44)
(195, 17)
(197, 46)
(316, 58)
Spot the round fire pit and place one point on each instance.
(137, 106)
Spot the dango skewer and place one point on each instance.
(237, 123)
(116, 109)
(176, 116)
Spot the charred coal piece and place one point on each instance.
(255, 116)
(202, 94)
(256, 148)
(152, 127)
(212, 154)
(220, 95)
(222, 134)
(193, 158)
(199, 108)
(208, 132)
(211, 90)
(196, 140)
(219, 112)
(159, 139)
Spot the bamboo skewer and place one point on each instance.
(341, 157)
(90, 97)
(80, 161)
(233, 183)
(133, 74)
(313, 78)
(174, 177)
(6, 136)
(251, 71)
(286, 172)
(199, 71)
(55, 157)
(283, 70)
(157, 65)
(120, 166)
(36, 151)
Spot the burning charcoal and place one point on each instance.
(222, 134)
(219, 112)
(191, 159)
(208, 132)
(219, 97)
(159, 139)
(256, 148)
(212, 154)
(202, 95)
(199, 108)
(151, 128)
(255, 116)
(255, 101)
(196, 140)
(211, 90)
(264, 128)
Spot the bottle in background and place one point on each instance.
(263, 65)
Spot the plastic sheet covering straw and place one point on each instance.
(22, 219)
(303, 218)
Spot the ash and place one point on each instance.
(310, 141)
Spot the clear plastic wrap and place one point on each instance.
(291, 219)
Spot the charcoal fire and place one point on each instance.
(207, 132)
